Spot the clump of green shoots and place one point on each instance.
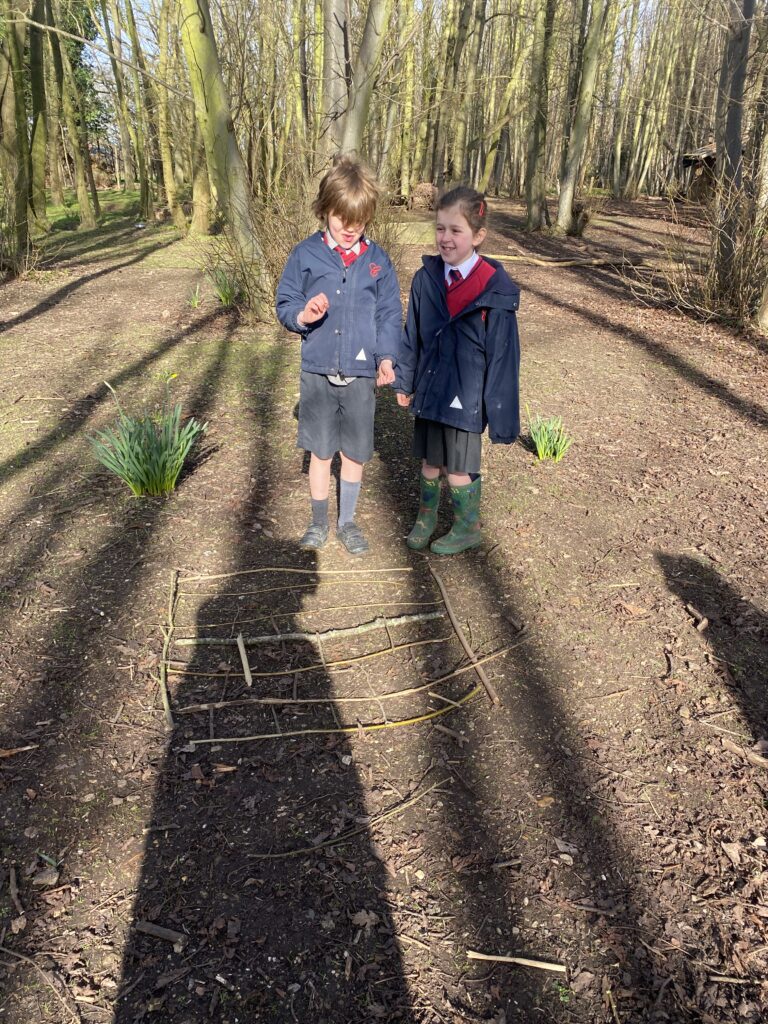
(226, 288)
(196, 298)
(548, 436)
(148, 453)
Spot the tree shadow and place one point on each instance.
(736, 634)
(529, 788)
(69, 695)
(304, 938)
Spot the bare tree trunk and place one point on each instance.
(459, 157)
(409, 91)
(582, 115)
(121, 107)
(201, 189)
(39, 139)
(729, 141)
(163, 118)
(13, 154)
(364, 74)
(226, 170)
(334, 96)
(535, 175)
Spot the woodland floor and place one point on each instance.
(610, 815)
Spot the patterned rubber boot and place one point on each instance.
(465, 532)
(426, 521)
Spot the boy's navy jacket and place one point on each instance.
(363, 324)
(463, 370)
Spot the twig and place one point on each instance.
(288, 586)
(46, 979)
(407, 691)
(727, 979)
(158, 932)
(303, 572)
(14, 890)
(244, 660)
(316, 665)
(522, 961)
(461, 740)
(748, 755)
(489, 687)
(18, 750)
(329, 634)
(166, 647)
(314, 611)
(344, 837)
(346, 730)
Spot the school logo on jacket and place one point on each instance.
(374, 268)
(456, 403)
(361, 356)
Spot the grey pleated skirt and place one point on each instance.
(441, 445)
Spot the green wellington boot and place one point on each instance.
(426, 521)
(465, 532)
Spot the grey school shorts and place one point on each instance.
(336, 418)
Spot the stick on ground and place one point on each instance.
(490, 689)
(522, 961)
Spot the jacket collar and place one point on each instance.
(500, 292)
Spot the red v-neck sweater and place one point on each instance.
(460, 295)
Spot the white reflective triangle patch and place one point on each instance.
(361, 355)
(456, 404)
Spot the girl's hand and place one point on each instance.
(315, 308)
(386, 373)
(403, 400)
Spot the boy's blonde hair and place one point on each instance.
(349, 191)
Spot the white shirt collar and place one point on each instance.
(329, 241)
(463, 268)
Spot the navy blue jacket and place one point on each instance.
(464, 370)
(363, 324)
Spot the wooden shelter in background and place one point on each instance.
(699, 173)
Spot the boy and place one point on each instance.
(339, 291)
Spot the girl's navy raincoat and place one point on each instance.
(463, 370)
(364, 320)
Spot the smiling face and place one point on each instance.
(455, 238)
(343, 234)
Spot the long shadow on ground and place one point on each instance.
(307, 938)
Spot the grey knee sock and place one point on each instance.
(348, 495)
(319, 512)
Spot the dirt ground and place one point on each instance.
(607, 818)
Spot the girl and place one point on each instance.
(458, 368)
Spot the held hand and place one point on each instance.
(315, 308)
(404, 400)
(386, 373)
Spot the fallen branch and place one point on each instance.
(14, 891)
(244, 660)
(748, 755)
(522, 961)
(344, 837)
(310, 611)
(178, 939)
(390, 695)
(168, 633)
(18, 750)
(315, 665)
(329, 634)
(288, 586)
(345, 730)
(489, 687)
(303, 572)
(46, 979)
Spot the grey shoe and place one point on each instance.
(314, 538)
(351, 536)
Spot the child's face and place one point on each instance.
(455, 237)
(344, 234)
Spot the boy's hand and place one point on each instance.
(386, 373)
(403, 400)
(315, 308)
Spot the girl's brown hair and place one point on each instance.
(471, 203)
(349, 190)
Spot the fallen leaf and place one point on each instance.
(732, 852)
(582, 982)
(545, 801)
(48, 877)
(365, 919)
